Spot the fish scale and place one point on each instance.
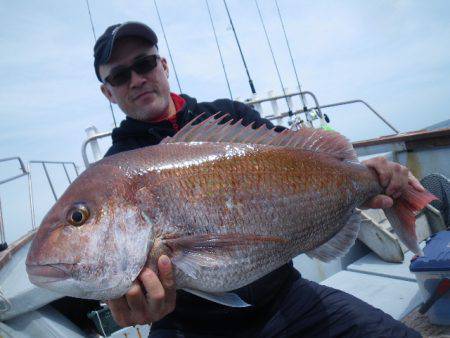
(299, 227)
(226, 204)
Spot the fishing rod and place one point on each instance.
(252, 87)
(292, 118)
(95, 39)
(167, 44)
(303, 98)
(218, 48)
(324, 119)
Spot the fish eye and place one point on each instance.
(78, 215)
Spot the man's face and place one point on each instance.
(144, 97)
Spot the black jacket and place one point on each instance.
(194, 314)
(134, 134)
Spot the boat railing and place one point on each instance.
(44, 164)
(275, 115)
(3, 244)
(92, 139)
(22, 168)
(49, 180)
(26, 171)
(319, 110)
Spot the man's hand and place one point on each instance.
(149, 299)
(394, 178)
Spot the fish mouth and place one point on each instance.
(49, 273)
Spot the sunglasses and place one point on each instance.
(141, 66)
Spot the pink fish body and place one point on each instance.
(228, 204)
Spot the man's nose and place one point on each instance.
(137, 80)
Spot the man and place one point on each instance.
(135, 77)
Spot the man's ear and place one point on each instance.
(105, 90)
(165, 66)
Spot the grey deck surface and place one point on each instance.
(394, 296)
(371, 264)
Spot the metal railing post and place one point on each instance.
(44, 166)
(49, 181)
(67, 174)
(3, 244)
(92, 131)
(315, 101)
(273, 103)
(26, 170)
(30, 196)
(30, 184)
(273, 98)
(76, 169)
(86, 142)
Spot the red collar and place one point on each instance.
(179, 103)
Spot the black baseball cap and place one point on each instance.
(105, 43)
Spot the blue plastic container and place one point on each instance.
(430, 270)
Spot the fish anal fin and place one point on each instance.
(225, 298)
(213, 129)
(340, 243)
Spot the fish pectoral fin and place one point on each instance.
(340, 243)
(192, 253)
(225, 298)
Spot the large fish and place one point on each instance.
(227, 203)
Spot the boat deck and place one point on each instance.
(396, 297)
(372, 265)
(390, 287)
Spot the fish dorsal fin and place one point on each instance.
(213, 129)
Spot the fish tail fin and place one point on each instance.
(402, 216)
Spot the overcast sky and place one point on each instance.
(393, 54)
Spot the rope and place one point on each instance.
(167, 44)
(218, 48)
(95, 39)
